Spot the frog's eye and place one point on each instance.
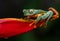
(24, 10)
(31, 10)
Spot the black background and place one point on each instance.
(13, 8)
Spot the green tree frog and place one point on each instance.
(41, 14)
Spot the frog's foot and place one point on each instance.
(45, 25)
(34, 22)
(41, 25)
(55, 15)
(35, 26)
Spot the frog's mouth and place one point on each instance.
(28, 14)
(31, 17)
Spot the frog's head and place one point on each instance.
(28, 12)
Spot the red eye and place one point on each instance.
(24, 10)
(31, 10)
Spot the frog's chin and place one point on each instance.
(28, 14)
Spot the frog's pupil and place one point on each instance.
(31, 11)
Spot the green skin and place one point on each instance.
(29, 12)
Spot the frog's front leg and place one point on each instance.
(37, 20)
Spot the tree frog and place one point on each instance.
(39, 14)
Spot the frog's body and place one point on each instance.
(28, 12)
(39, 14)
